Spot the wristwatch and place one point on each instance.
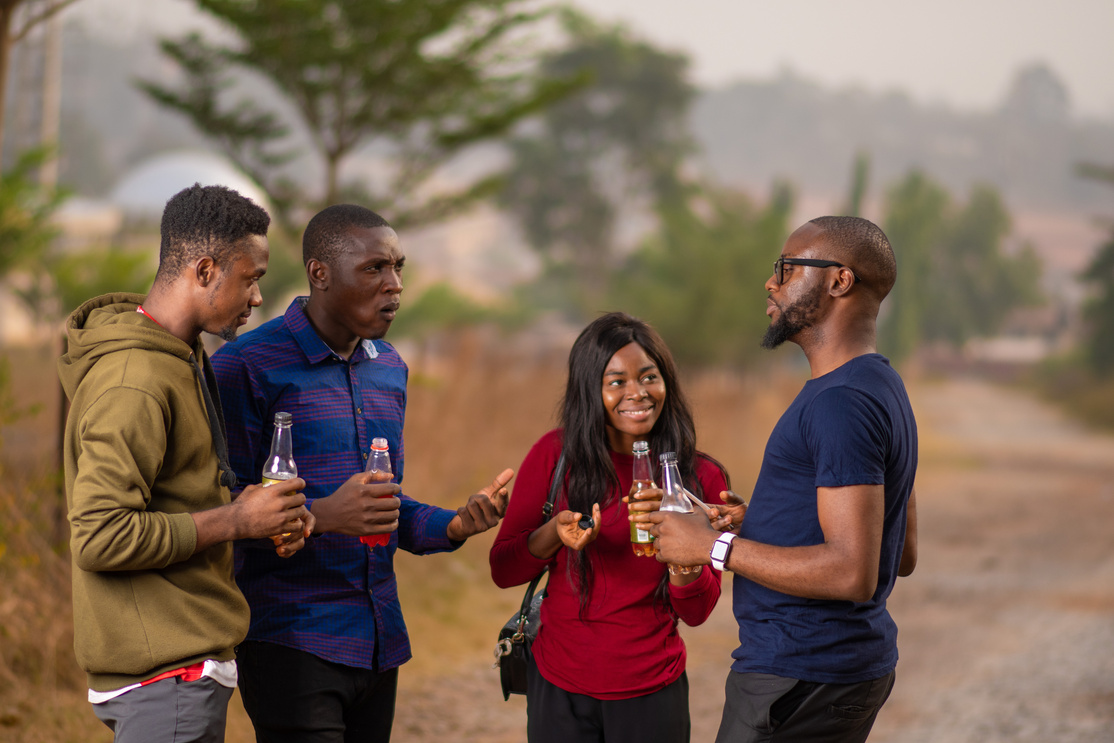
(721, 549)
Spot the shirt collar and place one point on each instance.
(315, 349)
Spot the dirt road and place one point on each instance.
(1006, 627)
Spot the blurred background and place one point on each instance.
(544, 163)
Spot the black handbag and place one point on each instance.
(512, 652)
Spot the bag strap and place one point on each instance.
(547, 510)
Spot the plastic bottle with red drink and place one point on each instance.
(379, 466)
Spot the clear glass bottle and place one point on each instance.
(280, 462)
(379, 465)
(674, 498)
(641, 540)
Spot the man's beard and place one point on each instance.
(798, 316)
(228, 333)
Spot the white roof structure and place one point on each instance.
(144, 191)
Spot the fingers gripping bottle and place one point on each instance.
(280, 462)
(674, 498)
(641, 540)
(379, 466)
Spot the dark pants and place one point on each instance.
(291, 695)
(554, 715)
(763, 708)
(168, 711)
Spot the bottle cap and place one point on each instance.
(282, 418)
(641, 447)
(667, 457)
(379, 443)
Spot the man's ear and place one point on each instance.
(318, 274)
(843, 282)
(205, 271)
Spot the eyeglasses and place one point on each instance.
(781, 263)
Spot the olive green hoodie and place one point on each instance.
(140, 457)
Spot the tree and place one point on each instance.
(618, 141)
(914, 222)
(1098, 312)
(699, 278)
(421, 81)
(955, 281)
(11, 33)
(26, 230)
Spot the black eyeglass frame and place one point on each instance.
(814, 262)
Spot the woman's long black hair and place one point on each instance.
(591, 475)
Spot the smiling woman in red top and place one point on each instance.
(610, 663)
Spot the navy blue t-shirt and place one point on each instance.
(852, 426)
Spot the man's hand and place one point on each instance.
(287, 543)
(729, 516)
(569, 529)
(482, 511)
(359, 507)
(683, 538)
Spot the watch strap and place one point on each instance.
(721, 549)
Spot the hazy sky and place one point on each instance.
(960, 52)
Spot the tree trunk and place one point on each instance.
(7, 11)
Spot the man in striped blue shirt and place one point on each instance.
(327, 635)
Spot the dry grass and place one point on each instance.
(476, 405)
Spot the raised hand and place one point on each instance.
(482, 511)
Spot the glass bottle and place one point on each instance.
(674, 498)
(379, 465)
(280, 462)
(641, 540)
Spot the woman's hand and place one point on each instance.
(641, 503)
(570, 528)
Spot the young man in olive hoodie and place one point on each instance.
(157, 614)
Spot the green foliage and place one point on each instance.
(860, 180)
(441, 308)
(1098, 312)
(26, 231)
(80, 276)
(699, 281)
(616, 142)
(423, 80)
(1098, 277)
(954, 280)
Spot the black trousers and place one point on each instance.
(295, 697)
(763, 708)
(554, 715)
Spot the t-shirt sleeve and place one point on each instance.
(847, 434)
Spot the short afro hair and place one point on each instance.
(206, 220)
(864, 247)
(326, 235)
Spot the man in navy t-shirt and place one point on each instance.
(832, 521)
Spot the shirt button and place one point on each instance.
(359, 411)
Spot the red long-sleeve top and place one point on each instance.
(627, 644)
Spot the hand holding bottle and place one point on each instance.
(643, 498)
(276, 511)
(360, 507)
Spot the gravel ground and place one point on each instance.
(1006, 627)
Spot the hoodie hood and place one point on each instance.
(108, 324)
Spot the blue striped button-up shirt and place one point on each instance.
(336, 598)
